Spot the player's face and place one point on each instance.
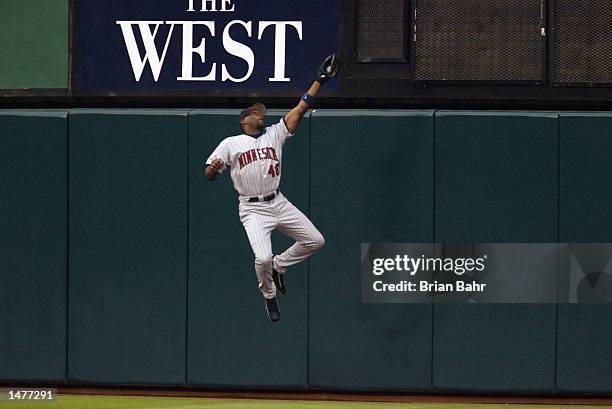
(258, 118)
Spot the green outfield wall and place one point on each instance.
(127, 246)
(33, 245)
(364, 168)
(496, 181)
(122, 265)
(585, 195)
(34, 44)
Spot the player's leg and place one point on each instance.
(258, 226)
(293, 223)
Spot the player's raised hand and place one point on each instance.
(328, 69)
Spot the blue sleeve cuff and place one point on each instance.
(309, 99)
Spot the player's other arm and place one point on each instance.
(328, 69)
(212, 171)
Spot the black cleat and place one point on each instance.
(279, 281)
(272, 309)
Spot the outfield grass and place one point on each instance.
(129, 402)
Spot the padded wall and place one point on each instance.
(496, 181)
(371, 181)
(33, 245)
(584, 355)
(136, 315)
(231, 341)
(127, 246)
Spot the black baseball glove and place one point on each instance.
(329, 68)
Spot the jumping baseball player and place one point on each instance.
(254, 158)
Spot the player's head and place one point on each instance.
(252, 118)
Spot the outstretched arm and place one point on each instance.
(293, 118)
(328, 69)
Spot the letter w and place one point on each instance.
(148, 39)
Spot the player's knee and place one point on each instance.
(317, 242)
(264, 260)
(320, 241)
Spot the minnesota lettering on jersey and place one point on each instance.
(238, 151)
(256, 154)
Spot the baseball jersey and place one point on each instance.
(254, 161)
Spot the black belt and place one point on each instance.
(263, 199)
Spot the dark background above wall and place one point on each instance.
(505, 64)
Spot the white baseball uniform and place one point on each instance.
(255, 168)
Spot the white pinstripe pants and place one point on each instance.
(260, 219)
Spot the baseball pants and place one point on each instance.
(260, 219)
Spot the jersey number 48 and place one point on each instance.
(274, 170)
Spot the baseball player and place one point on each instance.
(254, 159)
